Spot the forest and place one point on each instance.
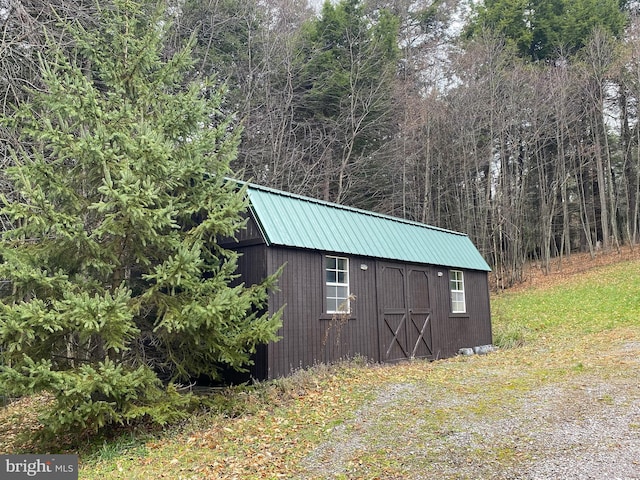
(513, 121)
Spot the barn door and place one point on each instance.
(419, 315)
(404, 313)
(392, 313)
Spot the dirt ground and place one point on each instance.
(561, 268)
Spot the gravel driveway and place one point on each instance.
(585, 427)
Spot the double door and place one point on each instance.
(404, 312)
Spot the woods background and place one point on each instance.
(515, 122)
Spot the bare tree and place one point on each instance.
(599, 57)
(630, 129)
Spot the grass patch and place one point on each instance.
(129, 445)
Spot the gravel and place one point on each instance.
(585, 427)
(588, 428)
(588, 431)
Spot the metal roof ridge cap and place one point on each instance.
(349, 208)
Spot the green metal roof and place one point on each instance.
(295, 221)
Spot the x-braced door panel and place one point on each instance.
(419, 313)
(396, 326)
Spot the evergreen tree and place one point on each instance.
(347, 52)
(112, 277)
(545, 29)
(345, 85)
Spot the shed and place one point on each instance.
(358, 283)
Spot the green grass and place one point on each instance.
(122, 445)
(568, 334)
(598, 300)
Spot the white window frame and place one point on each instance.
(337, 282)
(456, 287)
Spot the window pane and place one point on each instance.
(342, 277)
(332, 292)
(332, 305)
(331, 263)
(341, 263)
(455, 276)
(331, 276)
(457, 302)
(342, 292)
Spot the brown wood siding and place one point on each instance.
(252, 264)
(440, 300)
(471, 329)
(250, 235)
(309, 335)
(478, 303)
(363, 329)
(252, 268)
(300, 289)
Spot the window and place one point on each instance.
(456, 284)
(337, 286)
